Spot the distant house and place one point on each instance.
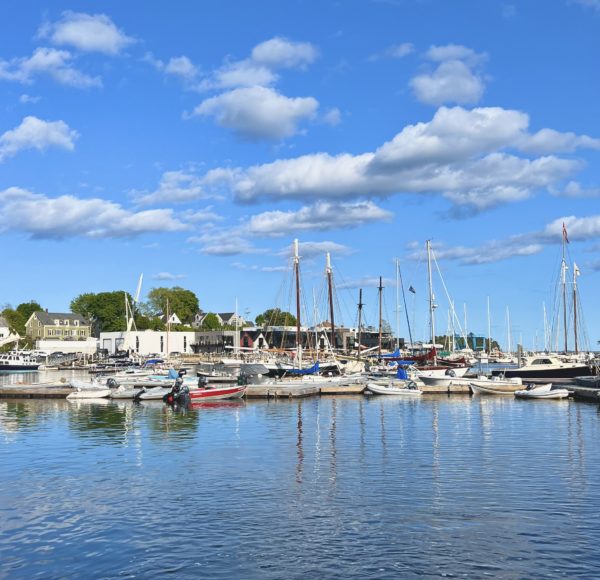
(57, 326)
(230, 318)
(173, 319)
(224, 318)
(4, 329)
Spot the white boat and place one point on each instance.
(394, 388)
(17, 361)
(125, 392)
(89, 394)
(496, 386)
(153, 394)
(542, 392)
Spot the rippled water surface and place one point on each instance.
(346, 487)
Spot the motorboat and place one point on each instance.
(126, 392)
(153, 394)
(91, 393)
(495, 385)
(395, 388)
(593, 381)
(542, 392)
(547, 367)
(17, 361)
(217, 393)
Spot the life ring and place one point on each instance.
(450, 373)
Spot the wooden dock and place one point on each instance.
(277, 392)
(36, 391)
(354, 389)
(586, 393)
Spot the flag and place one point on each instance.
(411, 289)
(565, 237)
(576, 269)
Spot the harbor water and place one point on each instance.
(329, 487)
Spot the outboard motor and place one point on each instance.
(178, 395)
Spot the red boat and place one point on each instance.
(217, 393)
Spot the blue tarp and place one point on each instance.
(172, 374)
(401, 374)
(311, 371)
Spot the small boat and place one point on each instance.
(153, 394)
(89, 394)
(394, 388)
(126, 392)
(496, 386)
(592, 381)
(542, 392)
(217, 393)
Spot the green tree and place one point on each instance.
(275, 317)
(182, 302)
(211, 322)
(106, 310)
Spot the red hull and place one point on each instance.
(201, 395)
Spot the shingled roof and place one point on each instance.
(48, 318)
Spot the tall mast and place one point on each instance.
(360, 307)
(380, 315)
(575, 274)
(508, 329)
(431, 302)
(168, 326)
(297, 276)
(397, 303)
(564, 288)
(546, 341)
(330, 291)
(404, 300)
(489, 327)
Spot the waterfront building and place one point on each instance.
(4, 329)
(44, 325)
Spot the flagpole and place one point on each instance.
(575, 274)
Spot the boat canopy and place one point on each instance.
(311, 371)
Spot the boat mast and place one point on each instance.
(360, 307)
(380, 316)
(546, 337)
(564, 287)
(508, 330)
(397, 303)
(297, 276)
(168, 326)
(330, 292)
(431, 303)
(405, 307)
(575, 274)
(489, 327)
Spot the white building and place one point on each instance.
(4, 330)
(88, 346)
(145, 342)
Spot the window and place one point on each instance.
(75, 322)
(162, 346)
(185, 344)
(137, 344)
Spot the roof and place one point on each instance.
(226, 315)
(48, 318)
(3, 322)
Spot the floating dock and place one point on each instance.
(36, 391)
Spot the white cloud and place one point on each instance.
(594, 4)
(226, 242)
(455, 80)
(86, 32)
(394, 51)
(451, 82)
(174, 187)
(258, 112)
(309, 250)
(203, 216)
(574, 189)
(364, 282)
(578, 229)
(279, 52)
(178, 66)
(459, 154)
(319, 217)
(332, 117)
(47, 61)
(244, 73)
(34, 133)
(67, 216)
(167, 276)
(551, 141)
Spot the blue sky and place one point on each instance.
(194, 141)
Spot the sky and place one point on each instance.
(194, 141)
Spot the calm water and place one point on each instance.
(346, 487)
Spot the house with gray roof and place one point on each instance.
(57, 326)
(4, 328)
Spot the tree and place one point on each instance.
(182, 302)
(275, 317)
(17, 317)
(106, 310)
(210, 322)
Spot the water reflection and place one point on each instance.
(480, 486)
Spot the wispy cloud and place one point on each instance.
(167, 276)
